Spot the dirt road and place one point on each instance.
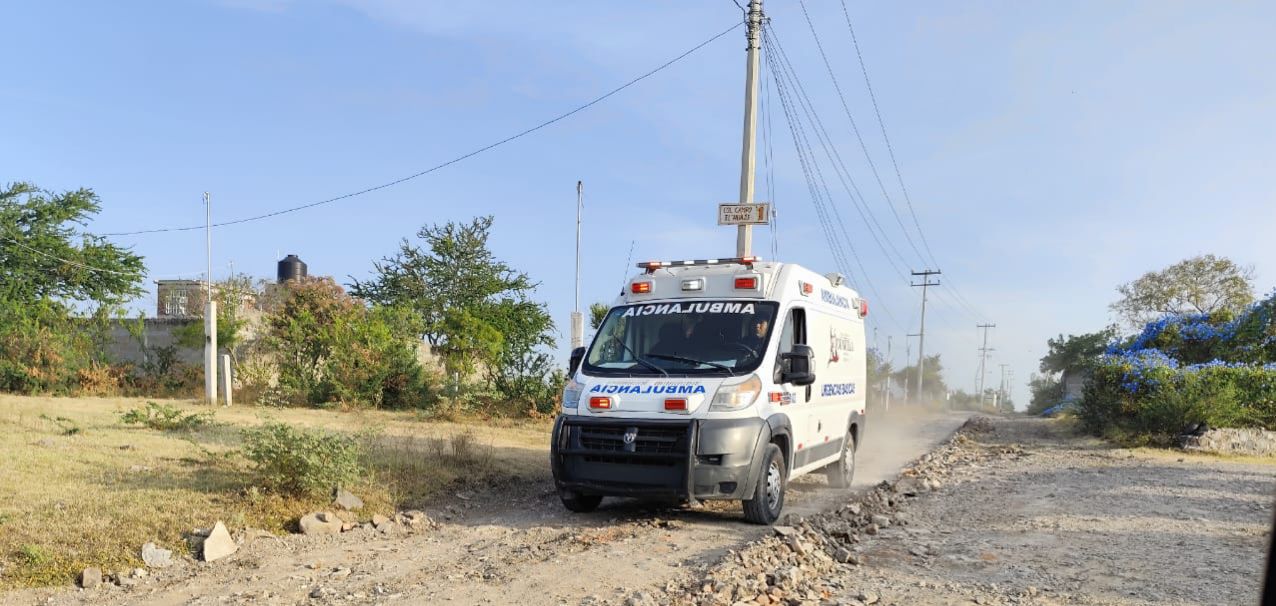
(511, 544)
(1023, 512)
(1064, 519)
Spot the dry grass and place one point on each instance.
(81, 489)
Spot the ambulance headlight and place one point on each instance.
(736, 394)
(571, 394)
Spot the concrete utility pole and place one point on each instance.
(744, 233)
(578, 319)
(886, 384)
(921, 334)
(983, 358)
(210, 309)
(1001, 389)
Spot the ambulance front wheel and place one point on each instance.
(767, 499)
(579, 503)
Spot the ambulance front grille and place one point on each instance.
(649, 440)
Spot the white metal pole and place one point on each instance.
(210, 309)
(578, 319)
(744, 233)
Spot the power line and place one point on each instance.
(890, 149)
(855, 128)
(437, 167)
(811, 170)
(899, 176)
(82, 265)
(835, 159)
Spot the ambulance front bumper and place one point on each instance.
(682, 458)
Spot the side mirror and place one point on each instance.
(796, 366)
(573, 363)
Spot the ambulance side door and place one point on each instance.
(801, 411)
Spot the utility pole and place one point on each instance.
(744, 233)
(1001, 389)
(983, 358)
(578, 319)
(921, 334)
(210, 309)
(908, 355)
(886, 385)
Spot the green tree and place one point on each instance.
(597, 313)
(1204, 284)
(49, 266)
(328, 346)
(878, 373)
(934, 389)
(1075, 353)
(232, 296)
(1046, 391)
(46, 256)
(475, 310)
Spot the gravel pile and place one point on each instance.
(802, 563)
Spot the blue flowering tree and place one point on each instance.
(1217, 367)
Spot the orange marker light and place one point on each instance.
(600, 402)
(776, 397)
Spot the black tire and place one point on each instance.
(842, 473)
(768, 494)
(579, 503)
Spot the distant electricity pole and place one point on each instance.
(921, 334)
(210, 309)
(983, 358)
(744, 233)
(1002, 389)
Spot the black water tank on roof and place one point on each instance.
(291, 268)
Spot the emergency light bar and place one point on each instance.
(652, 266)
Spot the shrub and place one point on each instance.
(302, 462)
(1148, 396)
(528, 383)
(165, 417)
(328, 346)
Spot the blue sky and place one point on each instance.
(1051, 150)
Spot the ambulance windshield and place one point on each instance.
(683, 338)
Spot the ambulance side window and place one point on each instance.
(793, 333)
(794, 330)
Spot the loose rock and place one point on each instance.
(320, 522)
(218, 544)
(90, 578)
(155, 556)
(347, 500)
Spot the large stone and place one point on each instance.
(219, 544)
(321, 522)
(347, 500)
(155, 556)
(90, 578)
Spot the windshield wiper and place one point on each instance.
(638, 358)
(692, 361)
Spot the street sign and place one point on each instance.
(744, 214)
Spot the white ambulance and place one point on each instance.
(715, 379)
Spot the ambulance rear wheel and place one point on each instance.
(579, 503)
(842, 473)
(768, 494)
